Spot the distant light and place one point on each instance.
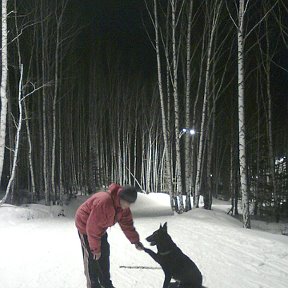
(192, 131)
(187, 131)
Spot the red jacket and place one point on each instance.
(103, 210)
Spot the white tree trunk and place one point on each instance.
(33, 187)
(161, 93)
(44, 112)
(176, 108)
(241, 120)
(3, 90)
(205, 103)
(19, 126)
(193, 152)
(188, 158)
(269, 123)
(55, 98)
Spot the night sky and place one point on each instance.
(120, 24)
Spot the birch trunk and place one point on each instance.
(31, 166)
(204, 112)
(188, 158)
(44, 113)
(272, 179)
(193, 178)
(16, 148)
(210, 141)
(168, 68)
(55, 97)
(3, 89)
(241, 119)
(27, 124)
(176, 108)
(161, 94)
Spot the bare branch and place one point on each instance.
(260, 21)
(229, 13)
(36, 89)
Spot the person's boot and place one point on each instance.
(108, 286)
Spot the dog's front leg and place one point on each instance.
(152, 254)
(167, 280)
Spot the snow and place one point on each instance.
(41, 249)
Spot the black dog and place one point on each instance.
(173, 261)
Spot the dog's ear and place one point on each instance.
(165, 227)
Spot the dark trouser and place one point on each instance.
(96, 272)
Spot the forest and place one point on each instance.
(183, 97)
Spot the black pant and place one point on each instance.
(96, 272)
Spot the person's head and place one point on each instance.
(128, 195)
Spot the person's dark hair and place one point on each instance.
(128, 193)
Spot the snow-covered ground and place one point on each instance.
(40, 249)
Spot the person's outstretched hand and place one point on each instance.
(139, 246)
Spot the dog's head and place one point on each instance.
(158, 235)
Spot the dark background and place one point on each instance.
(109, 81)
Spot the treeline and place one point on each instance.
(93, 115)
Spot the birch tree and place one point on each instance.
(241, 116)
(216, 8)
(3, 89)
(26, 97)
(242, 34)
(59, 22)
(188, 170)
(154, 19)
(17, 140)
(46, 162)
(175, 18)
(267, 57)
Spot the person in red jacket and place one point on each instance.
(93, 217)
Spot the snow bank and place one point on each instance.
(151, 205)
(13, 214)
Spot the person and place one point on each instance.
(92, 219)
